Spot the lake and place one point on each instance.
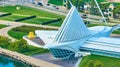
(9, 62)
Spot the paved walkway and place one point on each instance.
(27, 59)
(11, 24)
(49, 58)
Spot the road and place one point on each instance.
(65, 11)
(11, 24)
(61, 10)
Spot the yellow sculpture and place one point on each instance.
(31, 35)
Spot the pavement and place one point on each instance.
(49, 58)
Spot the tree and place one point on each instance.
(20, 45)
(77, 3)
(116, 11)
(104, 7)
(4, 42)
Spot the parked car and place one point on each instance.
(55, 7)
(40, 4)
(84, 16)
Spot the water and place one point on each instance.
(9, 62)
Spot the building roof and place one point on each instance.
(105, 40)
(103, 43)
(73, 28)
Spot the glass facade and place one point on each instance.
(62, 53)
(101, 52)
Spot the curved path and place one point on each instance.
(11, 25)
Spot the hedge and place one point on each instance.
(26, 18)
(52, 21)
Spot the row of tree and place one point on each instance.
(20, 46)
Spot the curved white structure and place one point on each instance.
(74, 37)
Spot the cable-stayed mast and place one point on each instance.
(100, 11)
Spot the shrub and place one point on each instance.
(4, 42)
(20, 46)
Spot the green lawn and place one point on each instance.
(28, 11)
(2, 26)
(34, 50)
(11, 17)
(21, 31)
(94, 60)
(56, 2)
(32, 21)
(41, 16)
(20, 46)
(16, 34)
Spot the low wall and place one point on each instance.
(30, 61)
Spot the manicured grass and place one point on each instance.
(116, 31)
(11, 17)
(56, 2)
(16, 34)
(90, 60)
(27, 11)
(36, 20)
(95, 24)
(20, 46)
(2, 26)
(34, 50)
(32, 21)
(21, 31)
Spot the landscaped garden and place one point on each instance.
(99, 61)
(23, 11)
(21, 31)
(2, 26)
(20, 46)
